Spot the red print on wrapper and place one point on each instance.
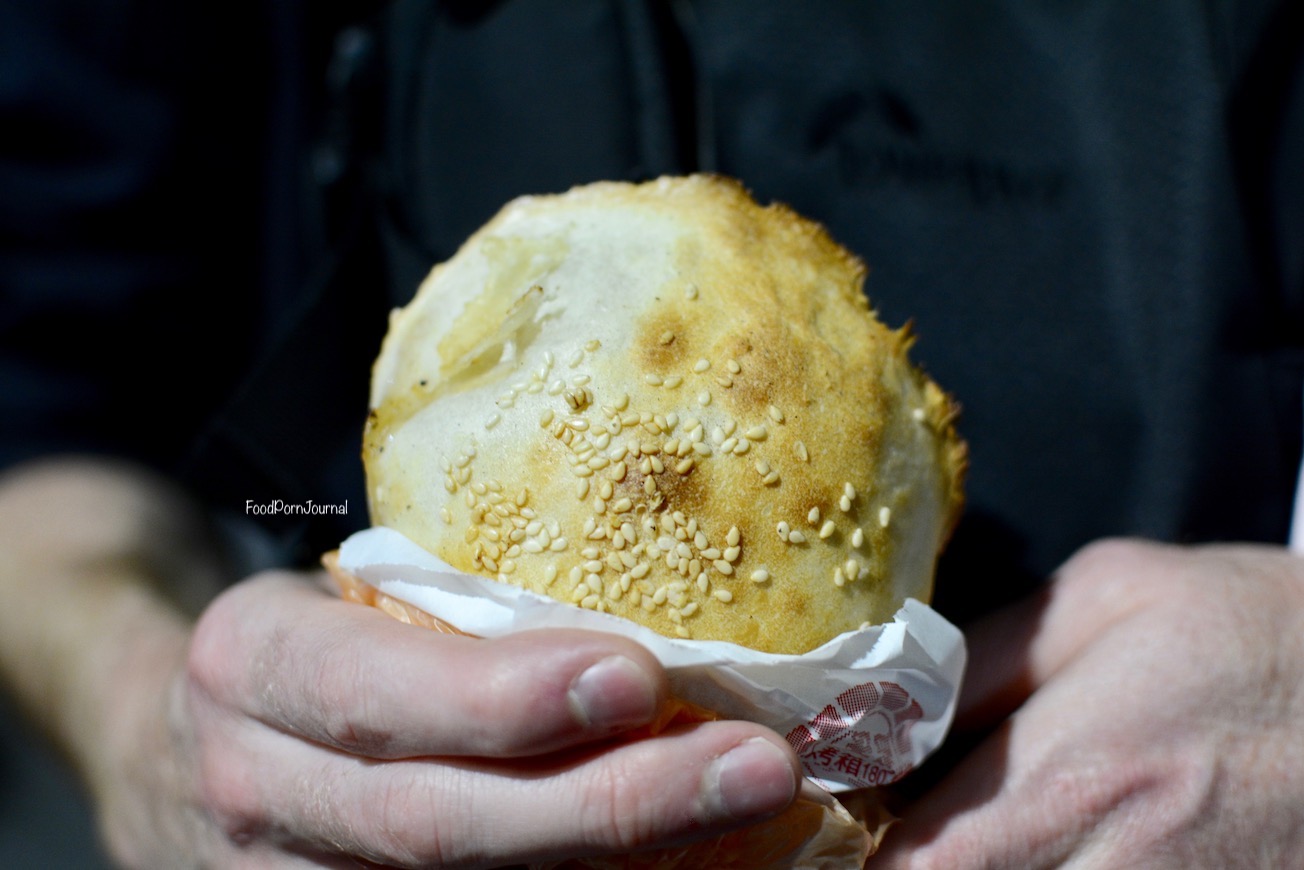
(862, 739)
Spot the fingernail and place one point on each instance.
(614, 693)
(753, 779)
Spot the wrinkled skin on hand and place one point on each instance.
(302, 730)
(1147, 710)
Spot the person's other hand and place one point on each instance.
(1149, 707)
(307, 731)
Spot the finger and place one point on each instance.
(1019, 648)
(282, 652)
(685, 784)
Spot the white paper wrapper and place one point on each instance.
(861, 710)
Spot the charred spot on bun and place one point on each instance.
(670, 403)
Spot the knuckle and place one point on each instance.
(617, 812)
(228, 796)
(1107, 569)
(209, 662)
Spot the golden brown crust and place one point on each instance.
(622, 395)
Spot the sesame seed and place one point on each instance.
(724, 381)
(723, 567)
(775, 414)
(703, 583)
(723, 595)
(814, 516)
(802, 453)
(757, 433)
(617, 472)
(771, 478)
(760, 575)
(557, 545)
(549, 575)
(733, 536)
(845, 504)
(732, 554)
(918, 414)
(704, 398)
(849, 491)
(784, 530)
(701, 365)
(622, 505)
(649, 486)
(711, 553)
(762, 467)
(652, 380)
(582, 488)
(884, 516)
(691, 291)
(667, 337)
(858, 537)
(532, 546)
(557, 387)
(701, 448)
(853, 569)
(688, 609)
(592, 344)
(796, 537)
(729, 444)
(839, 579)
(494, 419)
(827, 530)
(446, 516)
(673, 381)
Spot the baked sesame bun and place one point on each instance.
(670, 403)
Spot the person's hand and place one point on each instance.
(1155, 701)
(307, 731)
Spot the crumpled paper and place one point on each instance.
(860, 711)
